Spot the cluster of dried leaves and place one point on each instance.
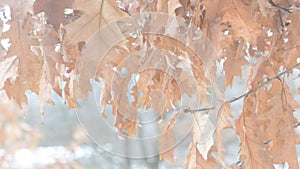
(47, 38)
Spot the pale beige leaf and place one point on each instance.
(9, 68)
(203, 144)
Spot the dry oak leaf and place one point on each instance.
(30, 66)
(229, 30)
(34, 46)
(202, 134)
(210, 163)
(9, 68)
(222, 123)
(96, 14)
(253, 152)
(280, 129)
(241, 22)
(242, 29)
(54, 9)
(262, 67)
(292, 47)
(196, 161)
(235, 58)
(271, 139)
(19, 9)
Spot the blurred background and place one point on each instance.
(57, 140)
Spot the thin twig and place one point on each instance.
(267, 142)
(290, 48)
(297, 125)
(278, 6)
(188, 110)
(239, 163)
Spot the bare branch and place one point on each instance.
(278, 6)
(188, 110)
